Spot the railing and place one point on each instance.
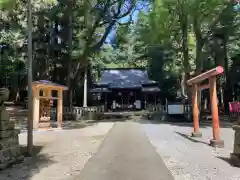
(164, 108)
(156, 108)
(187, 109)
(76, 112)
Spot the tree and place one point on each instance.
(129, 47)
(173, 39)
(6, 4)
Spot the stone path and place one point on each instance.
(125, 154)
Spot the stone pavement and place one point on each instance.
(126, 154)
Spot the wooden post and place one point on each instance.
(85, 88)
(106, 102)
(145, 101)
(216, 142)
(36, 108)
(59, 108)
(196, 132)
(155, 102)
(48, 94)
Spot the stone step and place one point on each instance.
(4, 116)
(8, 133)
(8, 142)
(6, 125)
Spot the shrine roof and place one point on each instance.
(96, 90)
(150, 89)
(124, 78)
(48, 84)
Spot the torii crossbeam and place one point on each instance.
(195, 83)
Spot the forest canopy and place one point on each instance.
(173, 39)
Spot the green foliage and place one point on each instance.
(173, 38)
(7, 4)
(67, 36)
(162, 31)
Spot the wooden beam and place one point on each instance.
(48, 97)
(206, 75)
(52, 87)
(203, 87)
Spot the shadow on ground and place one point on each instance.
(27, 168)
(111, 120)
(175, 121)
(154, 121)
(69, 125)
(186, 136)
(228, 160)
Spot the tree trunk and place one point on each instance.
(199, 66)
(186, 67)
(228, 90)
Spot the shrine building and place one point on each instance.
(125, 89)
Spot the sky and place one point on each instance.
(112, 34)
(125, 19)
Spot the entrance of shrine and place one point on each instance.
(124, 100)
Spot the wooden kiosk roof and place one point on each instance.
(48, 84)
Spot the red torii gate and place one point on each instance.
(195, 83)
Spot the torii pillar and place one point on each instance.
(195, 83)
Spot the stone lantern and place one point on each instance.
(9, 144)
(235, 156)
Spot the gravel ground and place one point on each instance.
(59, 154)
(193, 159)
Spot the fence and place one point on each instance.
(169, 109)
(156, 108)
(75, 113)
(78, 112)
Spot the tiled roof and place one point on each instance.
(48, 83)
(150, 89)
(124, 78)
(96, 90)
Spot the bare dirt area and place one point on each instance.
(58, 155)
(192, 158)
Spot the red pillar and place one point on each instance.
(196, 132)
(216, 142)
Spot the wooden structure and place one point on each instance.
(121, 89)
(43, 101)
(195, 83)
